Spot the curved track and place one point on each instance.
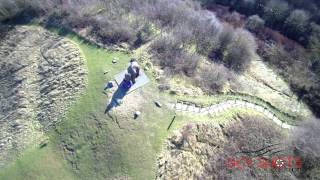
(215, 109)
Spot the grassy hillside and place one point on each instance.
(88, 144)
(181, 39)
(91, 142)
(100, 148)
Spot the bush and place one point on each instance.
(8, 9)
(236, 48)
(212, 78)
(169, 53)
(254, 23)
(113, 32)
(296, 24)
(314, 39)
(143, 35)
(185, 20)
(306, 137)
(314, 46)
(275, 12)
(206, 32)
(240, 51)
(4, 30)
(168, 12)
(277, 56)
(223, 40)
(306, 143)
(295, 67)
(248, 6)
(108, 20)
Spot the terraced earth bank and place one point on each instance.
(40, 76)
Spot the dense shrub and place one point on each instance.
(296, 68)
(306, 138)
(108, 20)
(277, 56)
(169, 53)
(297, 19)
(143, 35)
(255, 23)
(187, 21)
(297, 23)
(238, 49)
(168, 12)
(275, 12)
(213, 77)
(306, 143)
(247, 5)
(293, 66)
(234, 48)
(196, 28)
(206, 32)
(314, 39)
(314, 46)
(8, 9)
(115, 32)
(121, 21)
(184, 32)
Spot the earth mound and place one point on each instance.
(40, 75)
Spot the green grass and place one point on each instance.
(37, 164)
(97, 147)
(101, 149)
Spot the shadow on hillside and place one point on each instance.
(116, 99)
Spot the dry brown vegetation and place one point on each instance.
(297, 62)
(186, 31)
(306, 143)
(201, 151)
(206, 151)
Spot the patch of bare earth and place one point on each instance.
(123, 113)
(40, 75)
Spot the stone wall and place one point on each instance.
(182, 106)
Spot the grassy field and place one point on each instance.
(92, 143)
(38, 164)
(97, 147)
